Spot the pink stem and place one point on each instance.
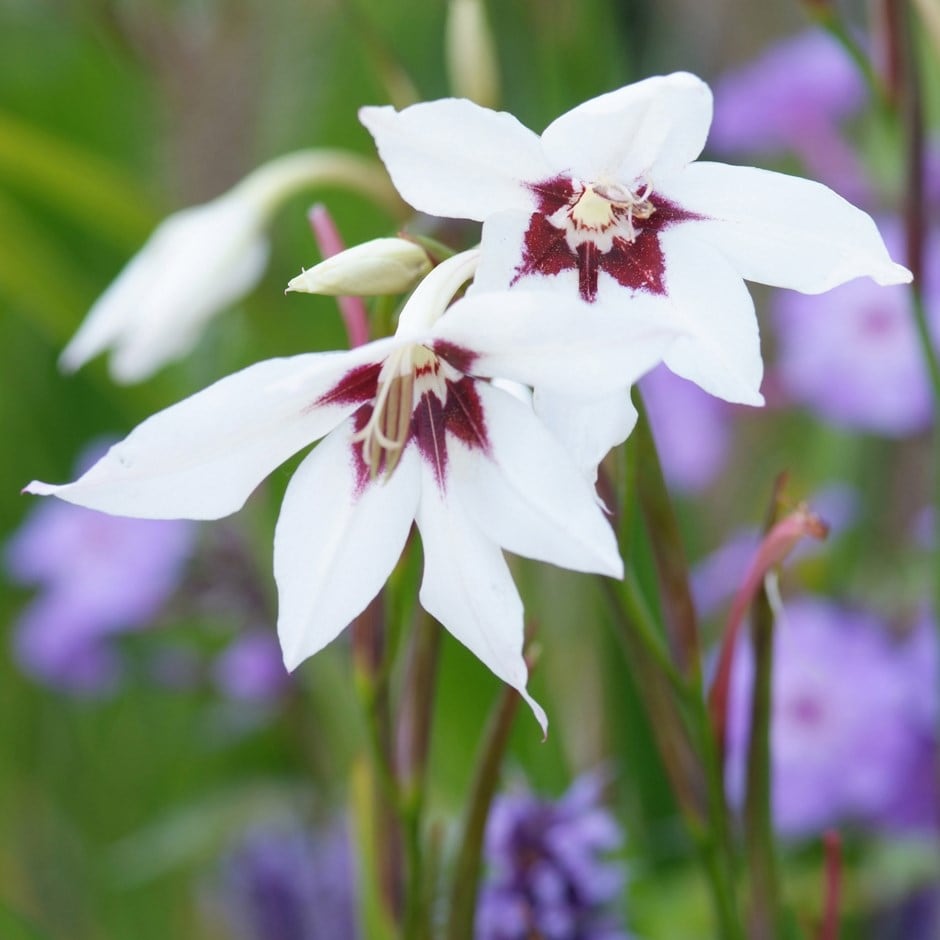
(777, 544)
(832, 900)
(330, 242)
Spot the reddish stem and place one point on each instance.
(832, 898)
(330, 242)
(776, 545)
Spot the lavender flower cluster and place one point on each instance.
(550, 872)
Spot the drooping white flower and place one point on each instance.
(201, 260)
(608, 205)
(413, 431)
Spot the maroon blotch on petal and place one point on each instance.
(459, 357)
(545, 250)
(461, 415)
(356, 386)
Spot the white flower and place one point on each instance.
(198, 262)
(608, 205)
(412, 432)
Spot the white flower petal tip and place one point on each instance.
(380, 266)
(892, 273)
(537, 711)
(38, 488)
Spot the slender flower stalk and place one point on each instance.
(466, 877)
(774, 548)
(415, 720)
(666, 541)
(680, 724)
(832, 897)
(370, 655)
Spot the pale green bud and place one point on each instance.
(380, 266)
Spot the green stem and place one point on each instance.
(467, 869)
(763, 915)
(415, 747)
(369, 654)
(713, 836)
(828, 17)
(668, 550)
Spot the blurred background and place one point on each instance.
(156, 763)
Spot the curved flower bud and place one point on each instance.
(202, 259)
(380, 266)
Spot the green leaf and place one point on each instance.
(82, 185)
(14, 927)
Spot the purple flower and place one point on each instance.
(284, 883)
(97, 575)
(251, 668)
(549, 871)
(853, 356)
(791, 99)
(848, 726)
(692, 429)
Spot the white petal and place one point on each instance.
(468, 588)
(719, 346)
(783, 230)
(587, 429)
(554, 340)
(454, 159)
(528, 495)
(501, 251)
(334, 547)
(201, 458)
(196, 263)
(649, 128)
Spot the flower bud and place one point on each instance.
(380, 266)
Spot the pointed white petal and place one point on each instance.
(334, 547)
(718, 346)
(554, 340)
(783, 230)
(587, 428)
(454, 159)
(201, 458)
(468, 588)
(650, 128)
(527, 494)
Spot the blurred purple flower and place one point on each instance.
(549, 871)
(853, 356)
(251, 668)
(98, 575)
(691, 427)
(283, 883)
(791, 99)
(848, 726)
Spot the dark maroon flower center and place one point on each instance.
(417, 395)
(590, 229)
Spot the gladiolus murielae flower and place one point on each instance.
(413, 432)
(608, 205)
